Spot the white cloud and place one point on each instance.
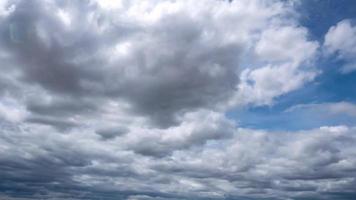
(196, 129)
(285, 44)
(12, 110)
(285, 55)
(341, 40)
(304, 164)
(159, 59)
(5, 9)
(123, 100)
(111, 5)
(335, 108)
(260, 86)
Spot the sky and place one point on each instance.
(178, 99)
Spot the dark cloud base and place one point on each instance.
(315, 164)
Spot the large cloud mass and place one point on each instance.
(127, 100)
(161, 59)
(316, 164)
(158, 59)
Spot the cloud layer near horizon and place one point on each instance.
(128, 101)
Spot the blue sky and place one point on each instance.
(177, 100)
(330, 86)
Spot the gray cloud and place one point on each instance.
(316, 164)
(197, 129)
(129, 103)
(57, 123)
(170, 66)
(112, 132)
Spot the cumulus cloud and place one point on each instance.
(162, 59)
(197, 129)
(287, 43)
(340, 40)
(261, 86)
(171, 62)
(286, 57)
(128, 100)
(316, 164)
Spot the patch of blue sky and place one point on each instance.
(319, 15)
(330, 86)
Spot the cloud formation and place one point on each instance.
(174, 61)
(286, 57)
(129, 100)
(316, 164)
(340, 40)
(160, 59)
